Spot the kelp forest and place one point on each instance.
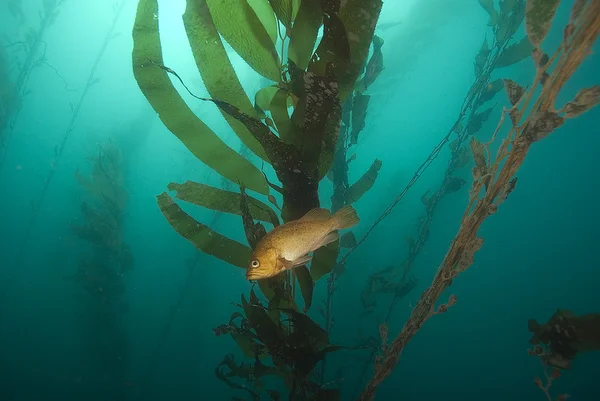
(101, 268)
(207, 141)
(305, 125)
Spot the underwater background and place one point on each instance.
(77, 111)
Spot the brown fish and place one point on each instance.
(288, 245)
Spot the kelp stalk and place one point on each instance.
(91, 81)
(495, 179)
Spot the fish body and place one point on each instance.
(288, 245)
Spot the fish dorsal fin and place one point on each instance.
(316, 214)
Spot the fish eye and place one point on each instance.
(255, 263)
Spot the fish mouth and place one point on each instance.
(252, 276)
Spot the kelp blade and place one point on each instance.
(359, 18)
(237, 22)
(157, 87)
(216, 70)
(366, 182)
(304, 32)
(201, 236)
(220, 200)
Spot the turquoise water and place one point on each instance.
(540, 250)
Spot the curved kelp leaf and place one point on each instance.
(324, 260)
(237, 22)
(334, 46)
(306, 285)
(263, 97)
(264, 12)
(359, 18)
(514, 53)
(216, 70)
(221, 200)
(330, 137)
(157, 87)
(359, 114)
(201, 236)
(279, 112)
(360, 187)
(286, 10)
(538, 18)
(304, 32)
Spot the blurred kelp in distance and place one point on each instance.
(293, 124)
(9, 96)
(101, 268)
(493, 54)
(26, 54)
(533, 115)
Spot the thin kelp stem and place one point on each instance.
(21, 254)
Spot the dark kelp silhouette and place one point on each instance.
(102, 267)
(533, 116)
(293, 125)
(558, 341)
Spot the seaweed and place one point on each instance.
(26, 55)
(101, 269)
(558, 341)
(294, 126)
(492, 185)
(398, 280)
(50, 14)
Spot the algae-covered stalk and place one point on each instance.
(91, 81)
(494, 179)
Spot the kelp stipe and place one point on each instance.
(300, 146)
(494, 177)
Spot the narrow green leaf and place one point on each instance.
(237, 22)
(360, 187)
(215, 68)
(202, 236)
(221, 200)
(324, 260)
(514, 53)
(157, 87)
(279, 111)
(304, 33)
(538, 19)
(263, 97)
(286, 10)
(306, 285)
(330, 138)
(359, 115)
(264, 12)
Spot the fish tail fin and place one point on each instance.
(346, 217)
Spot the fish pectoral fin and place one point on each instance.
(290, 264)
(329, 238)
